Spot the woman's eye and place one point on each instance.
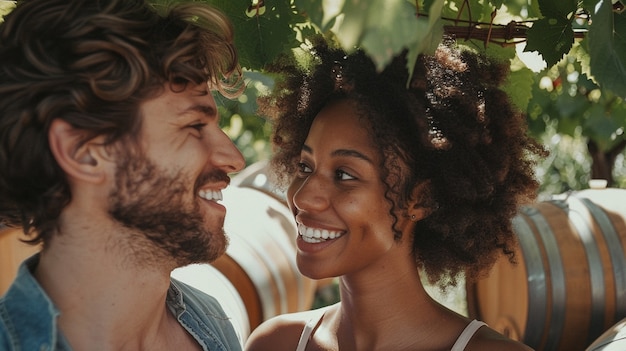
(303, 168)
(343, 175)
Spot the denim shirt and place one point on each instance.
(28, 318)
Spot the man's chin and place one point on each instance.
(211, 252)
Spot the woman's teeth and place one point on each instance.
(316, 235)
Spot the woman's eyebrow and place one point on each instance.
(352, 153)
(342, 153)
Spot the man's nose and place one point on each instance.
(225, 154)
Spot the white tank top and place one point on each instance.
(459, 345)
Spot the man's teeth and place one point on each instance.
(316, 235)
(211, 195)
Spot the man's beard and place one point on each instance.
(164, 228)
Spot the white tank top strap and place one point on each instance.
(308, 329)
(467, 335)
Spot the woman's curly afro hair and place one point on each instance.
(449, 127)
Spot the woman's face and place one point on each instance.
(338, 198)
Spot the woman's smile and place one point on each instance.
(316, 235)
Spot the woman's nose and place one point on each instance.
(309, 194)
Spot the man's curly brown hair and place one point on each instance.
(449, 127)
(92, 63)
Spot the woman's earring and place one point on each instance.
(413, 218)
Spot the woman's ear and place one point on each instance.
(418, 207)
(80, 159)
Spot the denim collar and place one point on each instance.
(37, 329)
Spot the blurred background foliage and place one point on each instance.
(567, 57)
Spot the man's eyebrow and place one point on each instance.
(206, 110)
(342, 153)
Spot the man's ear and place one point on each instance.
(83, 160)
(419, 208)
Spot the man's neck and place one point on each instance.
(104, 298)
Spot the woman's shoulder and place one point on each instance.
(282, 332)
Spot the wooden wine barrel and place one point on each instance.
(12, 253)
(569, 285)
(261, 258)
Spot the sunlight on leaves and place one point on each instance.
(5, 8)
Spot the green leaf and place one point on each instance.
(427, 5)
(551, 37)
(431, 33)
(537, 109)
(308, 31)
(5, 8)
(533, 10)
(519, 87)
(475, 11)
(522, 8)
(261, 35)
(383, 28)
(580, 51)
(571, 107)
(607, 48)
(557, 8)
(321, 13)
(355, 21)
(391, 26)
(600, 127)
(497, 3)
(499, 52)
(567, 126)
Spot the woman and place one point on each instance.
(389, 177)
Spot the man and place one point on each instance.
(112, 157)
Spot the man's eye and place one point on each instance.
(343, 175)
(198, 126)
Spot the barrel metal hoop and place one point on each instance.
(581, 221)
(557, 278)
(537, 303)
(616, 253)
